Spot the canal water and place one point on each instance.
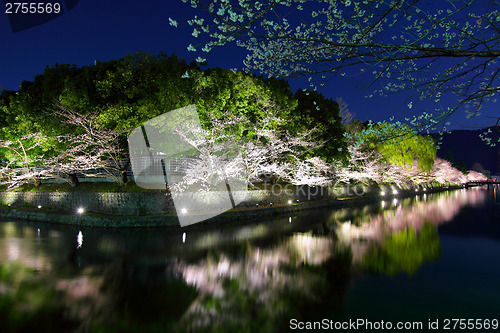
(423, 261)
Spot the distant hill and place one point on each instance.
(465, 146)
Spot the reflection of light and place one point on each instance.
(383, 204)
(38, 233)
(79, 239)
(289, 202)
(184, 211)
(13, 249)
(416, 190)
(290, 219)
(39, 206)
(270, 204)
(80, 210)
(425, 188)
(184, 237)
(395, 202)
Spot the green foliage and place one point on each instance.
(314, 110)
(405, 251)
(220, 93)
(399, 144)
(140, 87)
(26, 303)
(125, 93)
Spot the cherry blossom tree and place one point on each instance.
(23, 159)
(91, 151)
(474, 176)
(444, 172)
(397, 45)
(271, 152)
(369, 166)
(362, 166)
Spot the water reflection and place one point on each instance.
(410, 213)
(219, 278)
(404, 251)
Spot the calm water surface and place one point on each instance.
(429, 257)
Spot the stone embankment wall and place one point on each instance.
(154, 204)
(157, 209)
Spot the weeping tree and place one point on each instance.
(399, 144)
(427, 51)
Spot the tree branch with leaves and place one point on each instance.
(407, 46)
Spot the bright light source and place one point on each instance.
(395, 191)
(80, 210)
(270, 204)
(184, 237)
(289, 202)
(39, 206)
(184, 211)
(416, 190)
(290, 219)
(382, 193)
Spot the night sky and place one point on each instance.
(103, 30)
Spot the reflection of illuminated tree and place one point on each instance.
(27, 303)
(405, 251)
(261, 291)
(118, 303)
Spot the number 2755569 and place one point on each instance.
(32, 8)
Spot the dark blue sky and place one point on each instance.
(104, 30)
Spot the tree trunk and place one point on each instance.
(37, 181)
(73, 179)
(123, 172)
(123, 177)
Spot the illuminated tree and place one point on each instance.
(406, 45)
(23, 159)
(398, 143)
(362, 166)
(473, 176)
(271, 152)
(444, 172)
(91, 150)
